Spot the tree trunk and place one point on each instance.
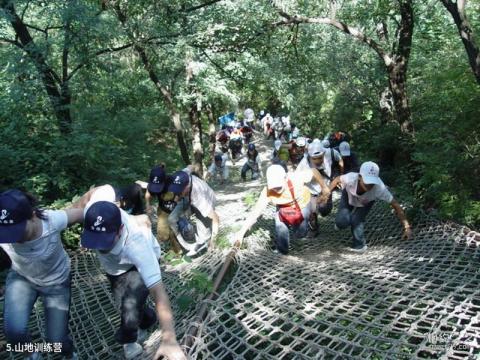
(166, 94)
(212, 132)
(457, 10)
(396, 62)
(196, 125)
(59, 98)
(182, 145)
(397, 66)
(397, 78)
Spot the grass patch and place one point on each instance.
(251, 199)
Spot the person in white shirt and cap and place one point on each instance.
(129, 253)
(316, 160)
(292, 198)
(360, 191)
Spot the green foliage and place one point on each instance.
(251, 199)
(322, 77)
(198, 286)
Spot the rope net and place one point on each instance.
(399, 300)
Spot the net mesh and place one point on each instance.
(399, 300)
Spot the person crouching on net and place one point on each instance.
(289, 193)
(40, 268)
(129, 253)
(360, 191)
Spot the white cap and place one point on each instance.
(326, 143)
(275, 176)
(277, 144)
(344, 148)
(370, 172)
(301, 141)
(101, 193)
(315, 149)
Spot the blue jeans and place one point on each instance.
(245, 168)
(130, 294)
(21, 295)
(354, 217)
(282, 234)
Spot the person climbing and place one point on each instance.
(295, 132)
(260, 117)
(292, 198)
(350, 161)
(218, 167)
(157, 188)
(129, 254)
(130, 198)
(235, 143)
(297, 150)
(247, 133)
(249, 116)
(359, 193)
(337, 137)
(40, 267)
(315, 160)
(193, 194)
(277, 127)
(329, 157)
(222, 138)
(267, 122)
(253, 164)
(287, 128)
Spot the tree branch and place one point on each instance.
(10, 41)
(197, 7)
(295, 19)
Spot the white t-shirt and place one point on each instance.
(202, 196)
(43, 261)
(327, 161)
(349, 182)
(313, 185)
(137, 247)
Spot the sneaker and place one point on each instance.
(142, 335)
(359, 248)
(197, 249)
(335, 227)
(132, 350)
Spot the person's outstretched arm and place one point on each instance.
(407, 229)
(325, 190)
(169, 346)
(257, 211)
(215, 225)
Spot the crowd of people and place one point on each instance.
(300, 178)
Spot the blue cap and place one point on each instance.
(156, 181)
(180, 180)
(102, 222)
(251, 147)
(15, 210)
